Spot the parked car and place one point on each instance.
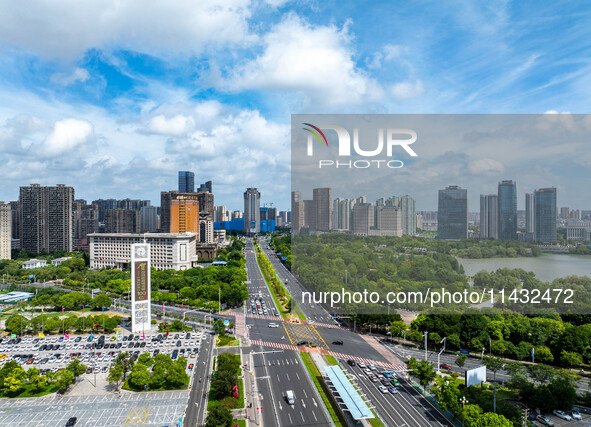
(545, 420)
(562, 414)
(576, 414)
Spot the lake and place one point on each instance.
(546, 267)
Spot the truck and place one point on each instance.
(290, 397)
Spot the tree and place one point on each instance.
(448, 394)
(100, 301)
(397, 327)
(422, 370)
(219, 416)
(77, 367)
(126, 361)
(544, 355)
(64, 379)
(563, 392)
(541, 373)
(145, 359)
(139, 377)
(176, 374)
(470, 414)
(115, 374)
(158, 376)
(570, 358)
(219, 327)
(221, 384)
(490, 419)
(493, 364)
(461, 360)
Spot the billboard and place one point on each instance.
(140, 287)
(475, 376)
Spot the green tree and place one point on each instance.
(115, 374)
(490, 419)
(219, 327)
(541, 373)
(100, 301)
(176, 375)
(139, 377)
(64, 379)
(221, 384)
(448, 394)
(145, 359)
(570, 358)
(461, 360)
(470, 414)
(219, 416)
(158, 376)
(563, 392)
(544, 355)
(422, 370)
(493, 364)
(126, 361)
(77, 367)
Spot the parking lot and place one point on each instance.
(147, 409)
(54, 353)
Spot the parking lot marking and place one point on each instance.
(137, 415)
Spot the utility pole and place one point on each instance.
(426, 333)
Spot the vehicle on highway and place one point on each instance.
(373, 378)
(361, 365)
(386, 374)
(351, 362)
(273, 325)
(576, 414)
(303, 343)
(290, 397)
(445, 366)
(337, 342)
(545, 420)
(562, 414)
(394, 381)
(383, 389)
(393, 390)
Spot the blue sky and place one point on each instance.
(114, 97)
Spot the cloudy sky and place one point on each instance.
(115, 97)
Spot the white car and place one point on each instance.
(273, 325)
(361, 365)
(562, 414)
(576, 414)
(383, 389)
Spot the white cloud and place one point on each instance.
(68, 29)
(489, 167)
(175, 126)
(64, 79)
(317, 60)
(67, 136)
(406, 90)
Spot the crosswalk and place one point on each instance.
(240, 325)
(395, 367)
(279, 319)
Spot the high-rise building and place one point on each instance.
(179, 212)
(46, 218)
(86, 220)
(186, 182)
(205, 199)
(207, 187)
(452, 213)
(205, 228)
(103, 205)
(5, 230)
(310, 212)
(488, 216)
(341, 214)
(389, 221)
(363, 219)
(252, 210)
(564, 212)
(134, 204)
(149, 219)
(297, 209)
(220, 213)
(122, 221)
(530, 217)
(14, 210)
(322, 199)
(574, 214)
(507, 217)
(545, 215)
(407, 207)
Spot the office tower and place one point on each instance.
(186, 182)
(545, 215)
(206, 188)
(122, 221)
(206, 202)
(564, 213)
(322, 199)
(310, 212)
(341, 214)
(46, 218)
(488, 216)
(407, 207)
(452, 213)
(179, 212)
(149, 219)
(14, 211)
(5, 230)
(205, 228)
(389, 221)
(81, 201)
(530, 214)
(297, 209)
(507, 218)
(252, 210)
(134, 204)
(575, 214)
(219, 213)
(103, 205)
(363, 218)
(86, 220)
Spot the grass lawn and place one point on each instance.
(317, 379)
(241, 423)
(230, 402)
(27, 391)
(330, 360)
(227, 341)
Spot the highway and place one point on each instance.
(195, 413)
(277, 371)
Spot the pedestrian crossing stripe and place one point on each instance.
(279, 319)
(343, 356)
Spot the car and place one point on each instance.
(273, 325)
(445, 366)
(576, 414)
(113, 338)
(71, 422)
(190, 366)
(303, 343)
(545, 420)
(385, 382)
(310, 322)
(394, 381)
(361, 365)
(383, 389)
(338, 342)
(562, 414)
(393, 390)
(367, 371)
(386, 374)
(373, 378)
(372, 367)
(351, 362)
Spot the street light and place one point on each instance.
(439, 355)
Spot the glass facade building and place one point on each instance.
(507, 217)
(186, 182)
(452, 213)
(545, 215)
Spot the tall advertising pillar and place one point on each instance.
(140, 287)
